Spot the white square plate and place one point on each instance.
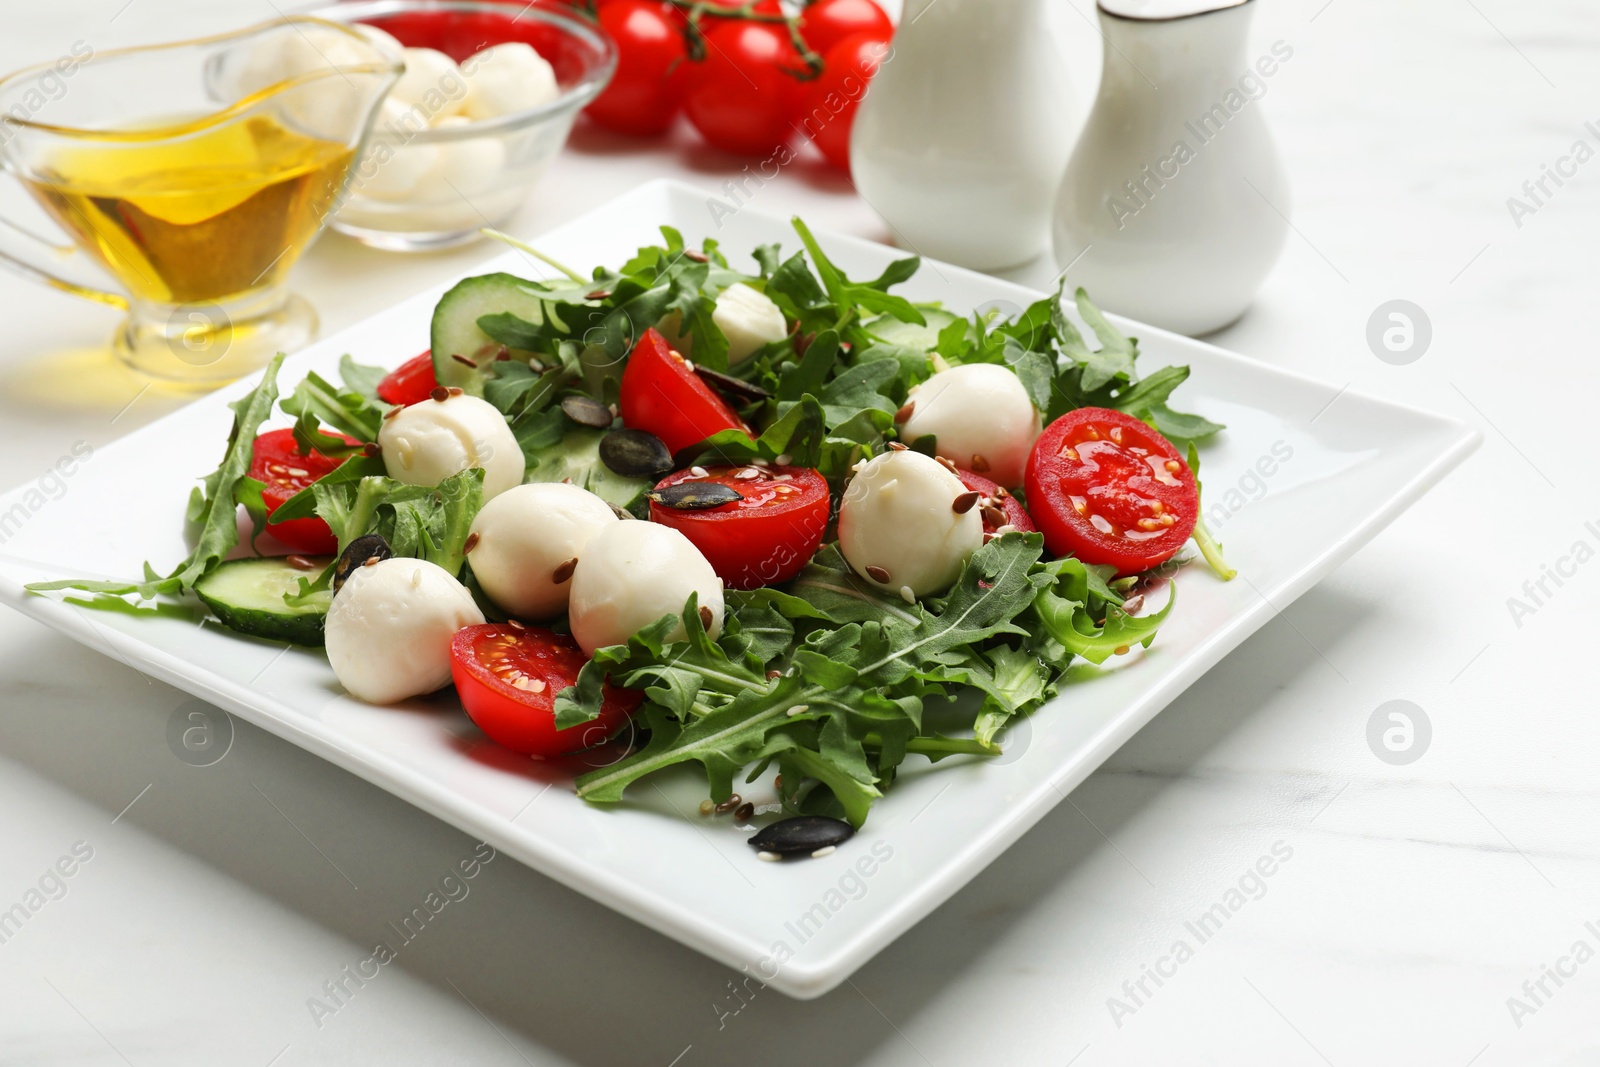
(1342, 466)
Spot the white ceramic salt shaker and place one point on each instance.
(1175, 204)
(962, 136)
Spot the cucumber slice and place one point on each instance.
(247, 596)
(891, 330)
(455, 325)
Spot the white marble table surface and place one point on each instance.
(1418, 901)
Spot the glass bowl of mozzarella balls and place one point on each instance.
(488, 97)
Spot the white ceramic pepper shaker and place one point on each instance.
(1175, 204)
(962, 136)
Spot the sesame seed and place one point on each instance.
(1133, 603)
(707, 617)
(698, 472)
(1005, 529)
(979, 464)
(774, 674)
(470, 544)
(747, 473)
(825, 850)
(689, 363)
(964, 503)
(465, 361)
(519, 627)
(455, 390)
(370, 561)
(784, 460)
(733, 801)
(698, 257)
(299, 563)
(769, 857)
(878, 574)
(392, 412)
(564, 570)
(799, 709)
(440, 393)
(897, 446)
(707, 807)
(598, 294)
(907, 595)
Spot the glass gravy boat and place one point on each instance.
(194, 175)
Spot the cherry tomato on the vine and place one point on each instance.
(738, 96)
(827, 22)
(652, 67)
(828, 104)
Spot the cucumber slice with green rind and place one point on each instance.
(455, 329)
(247, 595)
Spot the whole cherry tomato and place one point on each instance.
(827, 22)
(737, 96)
(652, 64)
(828, 104)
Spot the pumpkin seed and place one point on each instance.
(362, 551)
(635, 454)
(802, 835)
(694, 496)
(728, 385)
(586, 411)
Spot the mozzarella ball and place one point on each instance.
(464, 168)
(897, 526)
(632, 573)
(749, 319)
(981, 418)
(506, 79)
(524, 535)
(432, 83)
(428, 442)
(394, 168)
(389, 628)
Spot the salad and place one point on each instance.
(778, 519)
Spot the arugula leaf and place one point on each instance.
(361, 378)
(1063, 610)
(316, 402)
(1209, 546)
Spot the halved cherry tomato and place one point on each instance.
(277, 463)
(739, 96)
(764, 539)
(410, 383)
(825, 108)
(662, 395)
(1107, 488)
(827, 22)
(1002, 508)
(508, 676)
(652, 61)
